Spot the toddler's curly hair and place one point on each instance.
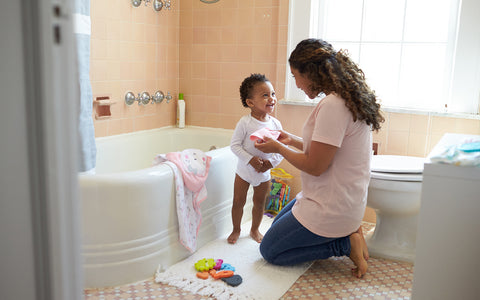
(248, 84)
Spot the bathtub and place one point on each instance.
(129, 217)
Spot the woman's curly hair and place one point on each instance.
(248, 84)
(332, 71)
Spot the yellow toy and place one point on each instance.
(205, 264)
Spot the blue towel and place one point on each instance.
(82, 25)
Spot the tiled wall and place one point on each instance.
(416, 135)
(205, 51)
(133, 49)
(220, 45)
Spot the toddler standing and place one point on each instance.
(253, 168)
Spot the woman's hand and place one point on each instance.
(290, 139)
(268, 145)
(284, 137)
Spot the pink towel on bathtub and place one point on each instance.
(190, 168)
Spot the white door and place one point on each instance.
(39, 211)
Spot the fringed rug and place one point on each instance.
(261, 280)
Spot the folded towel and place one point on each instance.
(260, 134)
(465, 154)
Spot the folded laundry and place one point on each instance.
(465, 154)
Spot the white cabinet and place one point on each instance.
(447, 263)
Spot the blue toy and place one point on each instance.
(227, 267)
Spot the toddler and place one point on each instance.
(253, 168)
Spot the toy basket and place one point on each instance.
(279, 194)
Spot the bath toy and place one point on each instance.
(204, 264)
(235, 280)
(223, 274)
(276, 186)
(227, 267)
(202, 275)
(212, 272)
(218, 264)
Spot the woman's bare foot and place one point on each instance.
(365, 248)
(256, 236)
(233, 237)
(357, 255)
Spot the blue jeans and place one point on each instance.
(287, 242)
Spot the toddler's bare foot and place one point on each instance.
(232, 239)
(365, 248)
(256, 236)
(357, 255)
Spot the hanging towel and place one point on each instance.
(86, 131)
(190, 168)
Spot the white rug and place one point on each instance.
(261, 280)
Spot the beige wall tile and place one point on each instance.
(467, 126)
(380, 138)
(397, 143)
(399, 122)
(417, 144)
(419, 123)
(441, 125)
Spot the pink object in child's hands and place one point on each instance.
(264, 132)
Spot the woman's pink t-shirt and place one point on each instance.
(333, 204)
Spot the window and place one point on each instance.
(416, 54)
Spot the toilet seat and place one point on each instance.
(397, 168)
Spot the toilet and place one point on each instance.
(394, 193)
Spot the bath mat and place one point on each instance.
(260, 280)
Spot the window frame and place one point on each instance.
(465, 70)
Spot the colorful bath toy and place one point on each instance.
(227, 267)
(202, 275)
(204, 264)
(223, 274)
(235, 280)
(218, 264)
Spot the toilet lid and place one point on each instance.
(397, 168)
(397, 176)
(397, 164)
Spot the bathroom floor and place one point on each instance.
(326, 279)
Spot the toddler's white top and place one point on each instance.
(245, 150)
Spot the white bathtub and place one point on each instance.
(129, 215)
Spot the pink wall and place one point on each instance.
(205, 51)
(220, 45)
(133, 49)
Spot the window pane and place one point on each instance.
(381, 65)
(422, 72)
(416, 54)
(343, 21)
(427, 20)
(353, 49)
(383, 20)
